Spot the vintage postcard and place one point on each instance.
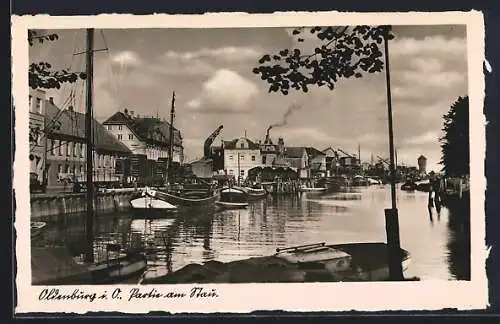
(240, 162)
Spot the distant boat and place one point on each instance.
(256, 192)
(365, 261)
(37, 228)
(233, 198)
(373, 181)
(312, 189)
(408, 186)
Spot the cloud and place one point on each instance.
(126, 58)
(428, 46)
(424, 138)
(228, 53)
(225, 92)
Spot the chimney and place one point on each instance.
(51, 100)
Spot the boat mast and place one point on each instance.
(238, 169)
(88, 132)
(170, 140)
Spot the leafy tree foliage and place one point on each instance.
(41, 74)
(455, 150)
(344, 52)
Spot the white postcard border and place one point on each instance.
(241, 298)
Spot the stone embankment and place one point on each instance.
(51, 205)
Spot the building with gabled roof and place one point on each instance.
(241, 155)
(66, 147)
(147, 136)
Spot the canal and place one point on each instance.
(439, 244)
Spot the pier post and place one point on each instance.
(393, 245)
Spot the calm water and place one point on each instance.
(438, 244)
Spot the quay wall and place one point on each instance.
(44, 206)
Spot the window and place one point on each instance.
(30, 102)
(38, 105)
(59, 168)
(110, 127)
(264, 159)
(60, 148)
(81, 170)
(68, 148)
(75, 149)
(120, 127)
(66, 168)
(120, 136)
(230, 157)
(130, 136)
(231, 171)
(253, 157)
(242, 157)
(242, 173)
(242, 145)
(82, 149)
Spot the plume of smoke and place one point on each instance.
(294, 107)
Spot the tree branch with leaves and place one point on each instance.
(344, 52)
(41, 74)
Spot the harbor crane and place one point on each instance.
(210, 139)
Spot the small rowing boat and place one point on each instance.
(311, 189)
(255, 192)
(37, 228)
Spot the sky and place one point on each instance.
(210, 71)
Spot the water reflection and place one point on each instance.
(438, 241)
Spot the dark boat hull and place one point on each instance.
(178, 200)
(119, 270)
(253, 193)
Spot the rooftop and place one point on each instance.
(231, 145)
(72, 123)
(147, 129)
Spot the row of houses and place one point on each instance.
(58, 149)
(238, 156)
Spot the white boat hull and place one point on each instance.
(151, 203)
(232, 205)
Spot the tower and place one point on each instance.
(422, 164)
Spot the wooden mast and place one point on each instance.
(88, 132)
(171, 140)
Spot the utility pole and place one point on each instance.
(391, 215)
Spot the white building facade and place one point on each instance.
(241, 155)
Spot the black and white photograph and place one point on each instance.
(174, 161)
